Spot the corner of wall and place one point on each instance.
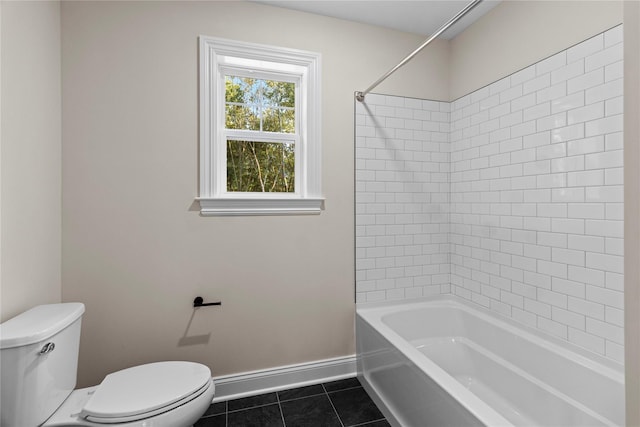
(483, 53)
(632, 209)
(31, 156)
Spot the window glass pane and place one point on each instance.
(278, 120)
(257, 104)
(242, 89)
(241, 117)
(260, 167)
(279, 94)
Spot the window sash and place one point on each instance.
(268, 176)
(224, 134)
(282, 76)
(256, 136)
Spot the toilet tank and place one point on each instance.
(38, 362)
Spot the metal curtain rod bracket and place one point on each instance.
(360, 95)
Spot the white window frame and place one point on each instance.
(220, 57)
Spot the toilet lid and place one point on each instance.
(143, 389)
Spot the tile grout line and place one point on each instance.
(284, 423)
(344, 389)
(368, 422)
(253, 407)
(332, 405)
(304, 397)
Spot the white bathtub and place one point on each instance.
(443, 362)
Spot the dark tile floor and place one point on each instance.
(342, 403)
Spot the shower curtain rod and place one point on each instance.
(360, 95)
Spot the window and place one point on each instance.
(259, 129)
(261, 134)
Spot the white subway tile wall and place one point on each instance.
(402, 198)
(510, 197)
(532, 212)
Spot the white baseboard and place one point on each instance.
(283, 377)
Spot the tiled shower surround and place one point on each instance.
(402, 198)
(510, 197)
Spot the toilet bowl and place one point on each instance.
(38, 357)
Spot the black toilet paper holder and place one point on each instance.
(199, 302)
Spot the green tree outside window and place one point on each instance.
(263, 106)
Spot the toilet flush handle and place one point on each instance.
(47, 348)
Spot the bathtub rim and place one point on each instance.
(373, 314)
(366, 310)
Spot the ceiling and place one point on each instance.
(413, 16)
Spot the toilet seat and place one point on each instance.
(144, 391)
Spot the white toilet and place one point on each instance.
(38, 363)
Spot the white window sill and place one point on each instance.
(247, 207)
